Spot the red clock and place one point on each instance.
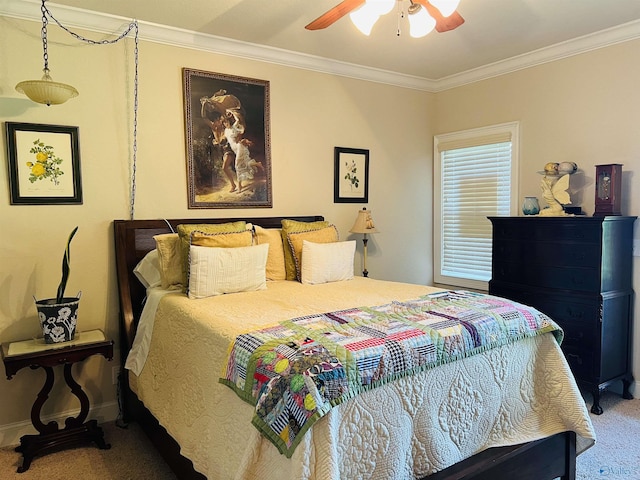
(608, 189)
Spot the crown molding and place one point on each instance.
(604, 38)
(162, 34)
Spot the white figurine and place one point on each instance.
(554, 191)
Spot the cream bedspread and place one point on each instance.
(409, 428)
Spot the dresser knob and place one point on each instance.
(574, 314)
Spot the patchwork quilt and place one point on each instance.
(296, 371)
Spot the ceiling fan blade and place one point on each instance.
(336, 13)
(443, 24)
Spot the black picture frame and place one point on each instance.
(44, 164)
(214, 164)
(351, 175)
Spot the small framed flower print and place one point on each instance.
(351, 175)
(44, 164)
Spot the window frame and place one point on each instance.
(468, 137)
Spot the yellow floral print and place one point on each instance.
(47, 163)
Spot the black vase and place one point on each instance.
(58, 320)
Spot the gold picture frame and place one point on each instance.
(228, 141)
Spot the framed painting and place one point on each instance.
(228, 140)
(351, 175)
(44, 164)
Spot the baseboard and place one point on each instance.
(10, 433)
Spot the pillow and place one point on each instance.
(290, 226)
(170, 260)
(216, 271)
(324, 235)
(148, 270)
(275, 259)
(222, 240)
(185, 230)
(327, 262)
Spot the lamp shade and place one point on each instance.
(47, 91)
(364, 223)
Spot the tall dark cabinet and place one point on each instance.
(577, 270)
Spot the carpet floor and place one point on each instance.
(132, 456)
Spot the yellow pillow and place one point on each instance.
(292, 226)
(185, 230)
(222, 240)
(170, 260)
(296, 239)
(275, 260)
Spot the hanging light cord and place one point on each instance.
(132, 26)
(43, 34)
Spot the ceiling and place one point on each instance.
(494, 30)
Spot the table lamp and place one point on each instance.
(364, 224)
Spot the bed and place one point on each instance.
(515, 408)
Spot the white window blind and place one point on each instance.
(474, 178)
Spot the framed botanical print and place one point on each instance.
(351, 175)
(44, 164)
(228, 140)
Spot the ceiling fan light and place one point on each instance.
(420, 23)
(446, 7)
(365, 17)
(382, 7)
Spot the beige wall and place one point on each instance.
(310, 114)
(583, 109)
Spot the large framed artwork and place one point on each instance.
(44, 164)
(228, 140)
(351, 175)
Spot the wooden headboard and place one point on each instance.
(134, 239)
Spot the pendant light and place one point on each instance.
(45, 90)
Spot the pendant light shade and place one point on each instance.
(46, 91)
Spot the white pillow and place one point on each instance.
(215, 271)
(327, 262)
(148, 270)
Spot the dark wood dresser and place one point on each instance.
(577, 270)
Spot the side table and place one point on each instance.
(36, 354)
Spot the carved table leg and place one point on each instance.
(76, 389)
(52, 438)
(596, 408)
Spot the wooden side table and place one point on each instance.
(36, 354)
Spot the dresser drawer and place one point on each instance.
(545, 253)
(581, 337)
(547, 231)
(552, 277)
(570, 309)
(582, 363)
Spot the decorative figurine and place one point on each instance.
(555, 186)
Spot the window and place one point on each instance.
(475, 175)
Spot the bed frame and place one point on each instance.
(545, 459)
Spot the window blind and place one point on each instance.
(476, 183)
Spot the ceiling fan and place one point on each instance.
(442, 23)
